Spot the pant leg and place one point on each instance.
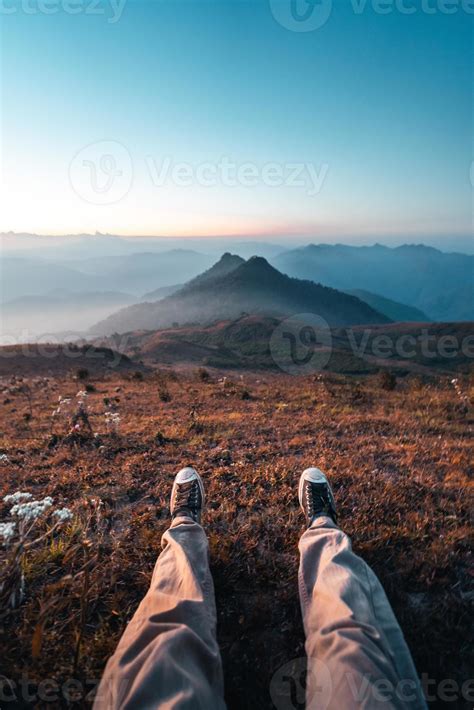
(168, 656)
(357, 656)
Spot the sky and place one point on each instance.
(349, 119)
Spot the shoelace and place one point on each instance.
(186, 496)
(311, 498)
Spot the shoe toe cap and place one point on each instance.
(315, 475)
(186, 474)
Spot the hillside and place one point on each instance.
(49, 359)
(253, 287)
(245, 343)
(158, 293)
(439, 284)
(226, 264)
(394, 310)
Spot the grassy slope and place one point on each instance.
(244, 342)
(399, 462)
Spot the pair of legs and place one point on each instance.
(168, 656)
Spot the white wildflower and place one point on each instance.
(33, 509)
(63, 406)
(63, 514)
(4, 458)
(7, 531)
(16, 497)
(112, 420)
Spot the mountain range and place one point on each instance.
(59, 311)
(95, 275)
(439, 284)
(133, 273)
(234, 286)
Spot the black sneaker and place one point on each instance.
(315, 495)
(187, 494)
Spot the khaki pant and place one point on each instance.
(168, 656)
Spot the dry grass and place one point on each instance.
(399, 461)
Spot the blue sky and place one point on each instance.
(374, 111)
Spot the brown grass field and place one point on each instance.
(399, 461)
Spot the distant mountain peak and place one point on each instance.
(258, 260)
(226, 265)
(257, 265)
(253, 287)
(228, 260)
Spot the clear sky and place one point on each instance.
(370, 114)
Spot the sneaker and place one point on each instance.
(315, 495)
(187, 495)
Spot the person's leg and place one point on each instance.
(357, 656)
(168, 656)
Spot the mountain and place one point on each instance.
(439, 284)
(132, 273)
(29, 317)
(398, 312)
(227, 263)
(86, 246)
(138, 272)
(161, 292)
(20, 277)
(254, 287)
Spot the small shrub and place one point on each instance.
(82, 373)
(387, 380)
(90, 388)
(164, 394)
(137, 375)
(196, 425)
(160, 439)
(203, 374)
